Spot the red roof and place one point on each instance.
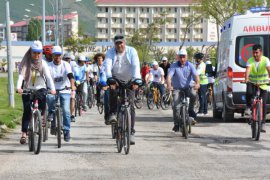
(143, 2)
(24, 23)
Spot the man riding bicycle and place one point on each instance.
(180, 76)
(158, 77)
(257, 75)
(63, 80)
(122, 63)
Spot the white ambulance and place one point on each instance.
(238, 35)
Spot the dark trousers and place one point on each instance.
(251, 92)
(27, 108)
(202, 98)
(113, 104)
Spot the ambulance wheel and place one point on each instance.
(227, 114)
(216, 113)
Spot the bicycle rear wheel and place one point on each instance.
(58, 126)
(37, 135)
(184, 124)
(119, 133)
(45, 128)
(257, 123)
(127, 131)
(139, 100)
(165, 101)
(90, 97)
(100, 108)
(78, 105)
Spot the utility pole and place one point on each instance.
(9, 59)
(57, 23)
(43, 24)
(62, 25)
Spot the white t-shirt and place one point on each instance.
(59, 74)
(73, 65)
(90, 70)
(122, 68)
(157, 74)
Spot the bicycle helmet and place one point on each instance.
(198, 55)
(47, 49)
(82, 58)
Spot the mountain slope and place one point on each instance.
(86, 10)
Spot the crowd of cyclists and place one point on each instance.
(65, 75)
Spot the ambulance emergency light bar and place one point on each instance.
(259, 9)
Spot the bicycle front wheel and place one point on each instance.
(118, 129)
(257, 123)
(45, 128)
(150, 101)
(165, 101)
(30, 135)
(184, 124)
(127, 130)
(139, 100)
(37, 132)
(58, 126)
(100, 108)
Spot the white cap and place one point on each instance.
(155, 63)
(37, 46)
(56, 50)
(208, 62)
(72, 57)
(182, 52)
(82, 58)
(164, 58)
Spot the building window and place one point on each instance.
(175, 20)
(134, 9)
(142, 10)
(120, 9)
(121, 20)
(175, 30)
(175, 10)
(147, 10)
(201, 30)
(148, 20)
(106, 10)
(202, 20)
(134, 20)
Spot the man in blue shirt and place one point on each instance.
(180, 77)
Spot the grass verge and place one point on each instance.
(9, 116)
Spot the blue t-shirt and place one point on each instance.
(80, 73)
(182, 76)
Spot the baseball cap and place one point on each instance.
(119, 38)
(37, 46)
(182, 52)
(67, 55)
(72, 57)
(155, 63)
(82, 58)
(57, 50)
(164, 59)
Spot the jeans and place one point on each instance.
(160, 87)
(106, 104)
(203, 98)
(251, 92)
(27, 108)
(177, 101)
(65, 105)
(113, 104)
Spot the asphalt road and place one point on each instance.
(215, 150)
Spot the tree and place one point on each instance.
(75, 44)
(171, 54)
(191, 51)
(34, 30)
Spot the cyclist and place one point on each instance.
(179, 77)
(165, 65)
(98, 71)
(47, 51)
(257, 74)
(122, 63)
(81, 77)
(145, 70)
(201, 67)
(158, 77)
(68, 58)
(32, 73)
(63, 80)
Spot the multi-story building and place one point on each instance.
(2, 31)
(70, 22)
(126, 16)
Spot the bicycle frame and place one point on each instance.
(257, 99)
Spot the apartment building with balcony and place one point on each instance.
(126, 16)
(70, 26)
(2, 32)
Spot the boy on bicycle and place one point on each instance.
(257, 75)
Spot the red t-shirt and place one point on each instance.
(144, 71)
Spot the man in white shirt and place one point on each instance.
(64, 81)
(157, 74)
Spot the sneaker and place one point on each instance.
(132, 139)
(193, 121)
(50, 117)
(200, 114)
(206, 114)
(72, 118)
(53, 131)
(247, 112)
(176, 128)
(66, 136)
(112, 119)
(263, 128)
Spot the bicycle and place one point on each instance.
(139, 98)
(256, 118)
(35, 124)
(100, 105)
(91, 95)
(58, 117)
(122, 129)
(153, 97)
(166, 101)
(184, 116)
(78, 100)
(45, 125)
